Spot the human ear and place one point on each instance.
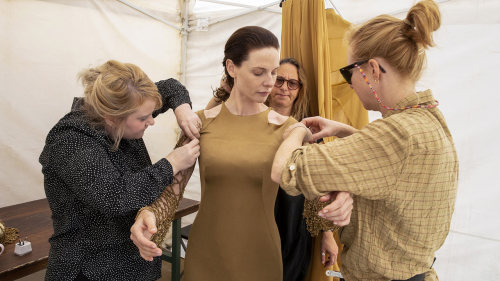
(230, 67)
(111, 122)
(375, 69)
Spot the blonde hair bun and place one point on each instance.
(423, 19)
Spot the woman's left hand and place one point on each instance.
(340, 209)
(328, 247)
(189, 122)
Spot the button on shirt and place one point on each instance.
(402, 171)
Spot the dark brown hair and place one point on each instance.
(300, 107)
(237, 48)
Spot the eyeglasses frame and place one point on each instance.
(288, 84)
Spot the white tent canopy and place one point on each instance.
(45, 43)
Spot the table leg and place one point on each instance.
(176, 250)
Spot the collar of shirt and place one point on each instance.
(419, 98)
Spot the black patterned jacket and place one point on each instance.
(94, 194)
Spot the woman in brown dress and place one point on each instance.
(234, 235)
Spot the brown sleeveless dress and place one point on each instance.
(234, 235)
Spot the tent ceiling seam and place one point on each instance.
(148, 14)
(475, 236)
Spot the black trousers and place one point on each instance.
(419, 277)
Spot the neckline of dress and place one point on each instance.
(224, 108)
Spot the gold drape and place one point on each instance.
(315, 38)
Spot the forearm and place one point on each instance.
(165, 206)
(344, 131)
(173, 94)
(292, 142)
(111, 191)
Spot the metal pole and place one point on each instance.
(185, 33)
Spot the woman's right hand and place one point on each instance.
(322, 127)
(185, 156)
(141, 232)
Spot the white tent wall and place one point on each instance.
(44, 44)
(460, 73)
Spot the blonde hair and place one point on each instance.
(115, 90)
(401, 42)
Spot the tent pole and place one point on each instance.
(184, 32)
(148, 14)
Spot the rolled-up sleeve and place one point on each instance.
(366, 163)
(296, 182)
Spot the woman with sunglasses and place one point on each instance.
(402, 169)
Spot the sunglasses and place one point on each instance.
(347, 70)
(292, 84)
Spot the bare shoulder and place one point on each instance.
(276, 118)
(212, 112)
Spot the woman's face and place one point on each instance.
(137, 122)
(283, 96)
(255, 77)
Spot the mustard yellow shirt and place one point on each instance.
(402, 171)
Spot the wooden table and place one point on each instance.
(33, 219)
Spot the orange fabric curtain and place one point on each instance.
(315, 38)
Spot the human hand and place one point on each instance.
(328, 247)
(141, 232)
(185, 156)
(321, 128)
(307, 133)
(339, 210)
(189, 122)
